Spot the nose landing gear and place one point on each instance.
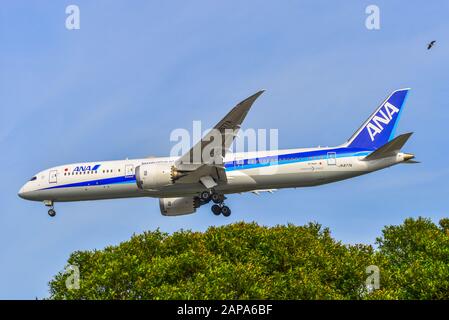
(50, 204)
(51, 213)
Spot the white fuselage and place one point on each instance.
(245, 172)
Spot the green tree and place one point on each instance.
(414, 260)
(248, 261)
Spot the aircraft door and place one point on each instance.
(129, 170)
(53, 176)
(331, 158)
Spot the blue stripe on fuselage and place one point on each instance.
(294, 157)
(98, 182)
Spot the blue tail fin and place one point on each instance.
(381, 125)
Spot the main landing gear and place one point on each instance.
(51, 211)
(218, 200)
(221, 208)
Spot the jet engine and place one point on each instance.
(178, 206)
(152, 176)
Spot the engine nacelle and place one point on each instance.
(153, 176)
(177, 206)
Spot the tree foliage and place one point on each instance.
(248, 261)
(415, 260)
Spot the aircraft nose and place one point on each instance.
(21, 192)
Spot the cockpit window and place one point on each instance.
(33, 178)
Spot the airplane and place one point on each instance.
(185, 183)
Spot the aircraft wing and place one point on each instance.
(204, 162)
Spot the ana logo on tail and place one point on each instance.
(380, 127)
(384, 116)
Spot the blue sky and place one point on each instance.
(136, 70)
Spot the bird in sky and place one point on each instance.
(430, 45)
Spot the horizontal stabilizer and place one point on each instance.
(389, 149)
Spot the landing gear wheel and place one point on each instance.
(226, 211)
(217, 198)
(51, 213)
(205, 196)
(216, 209)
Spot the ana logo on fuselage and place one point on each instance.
(384, 116)
(86, 168)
